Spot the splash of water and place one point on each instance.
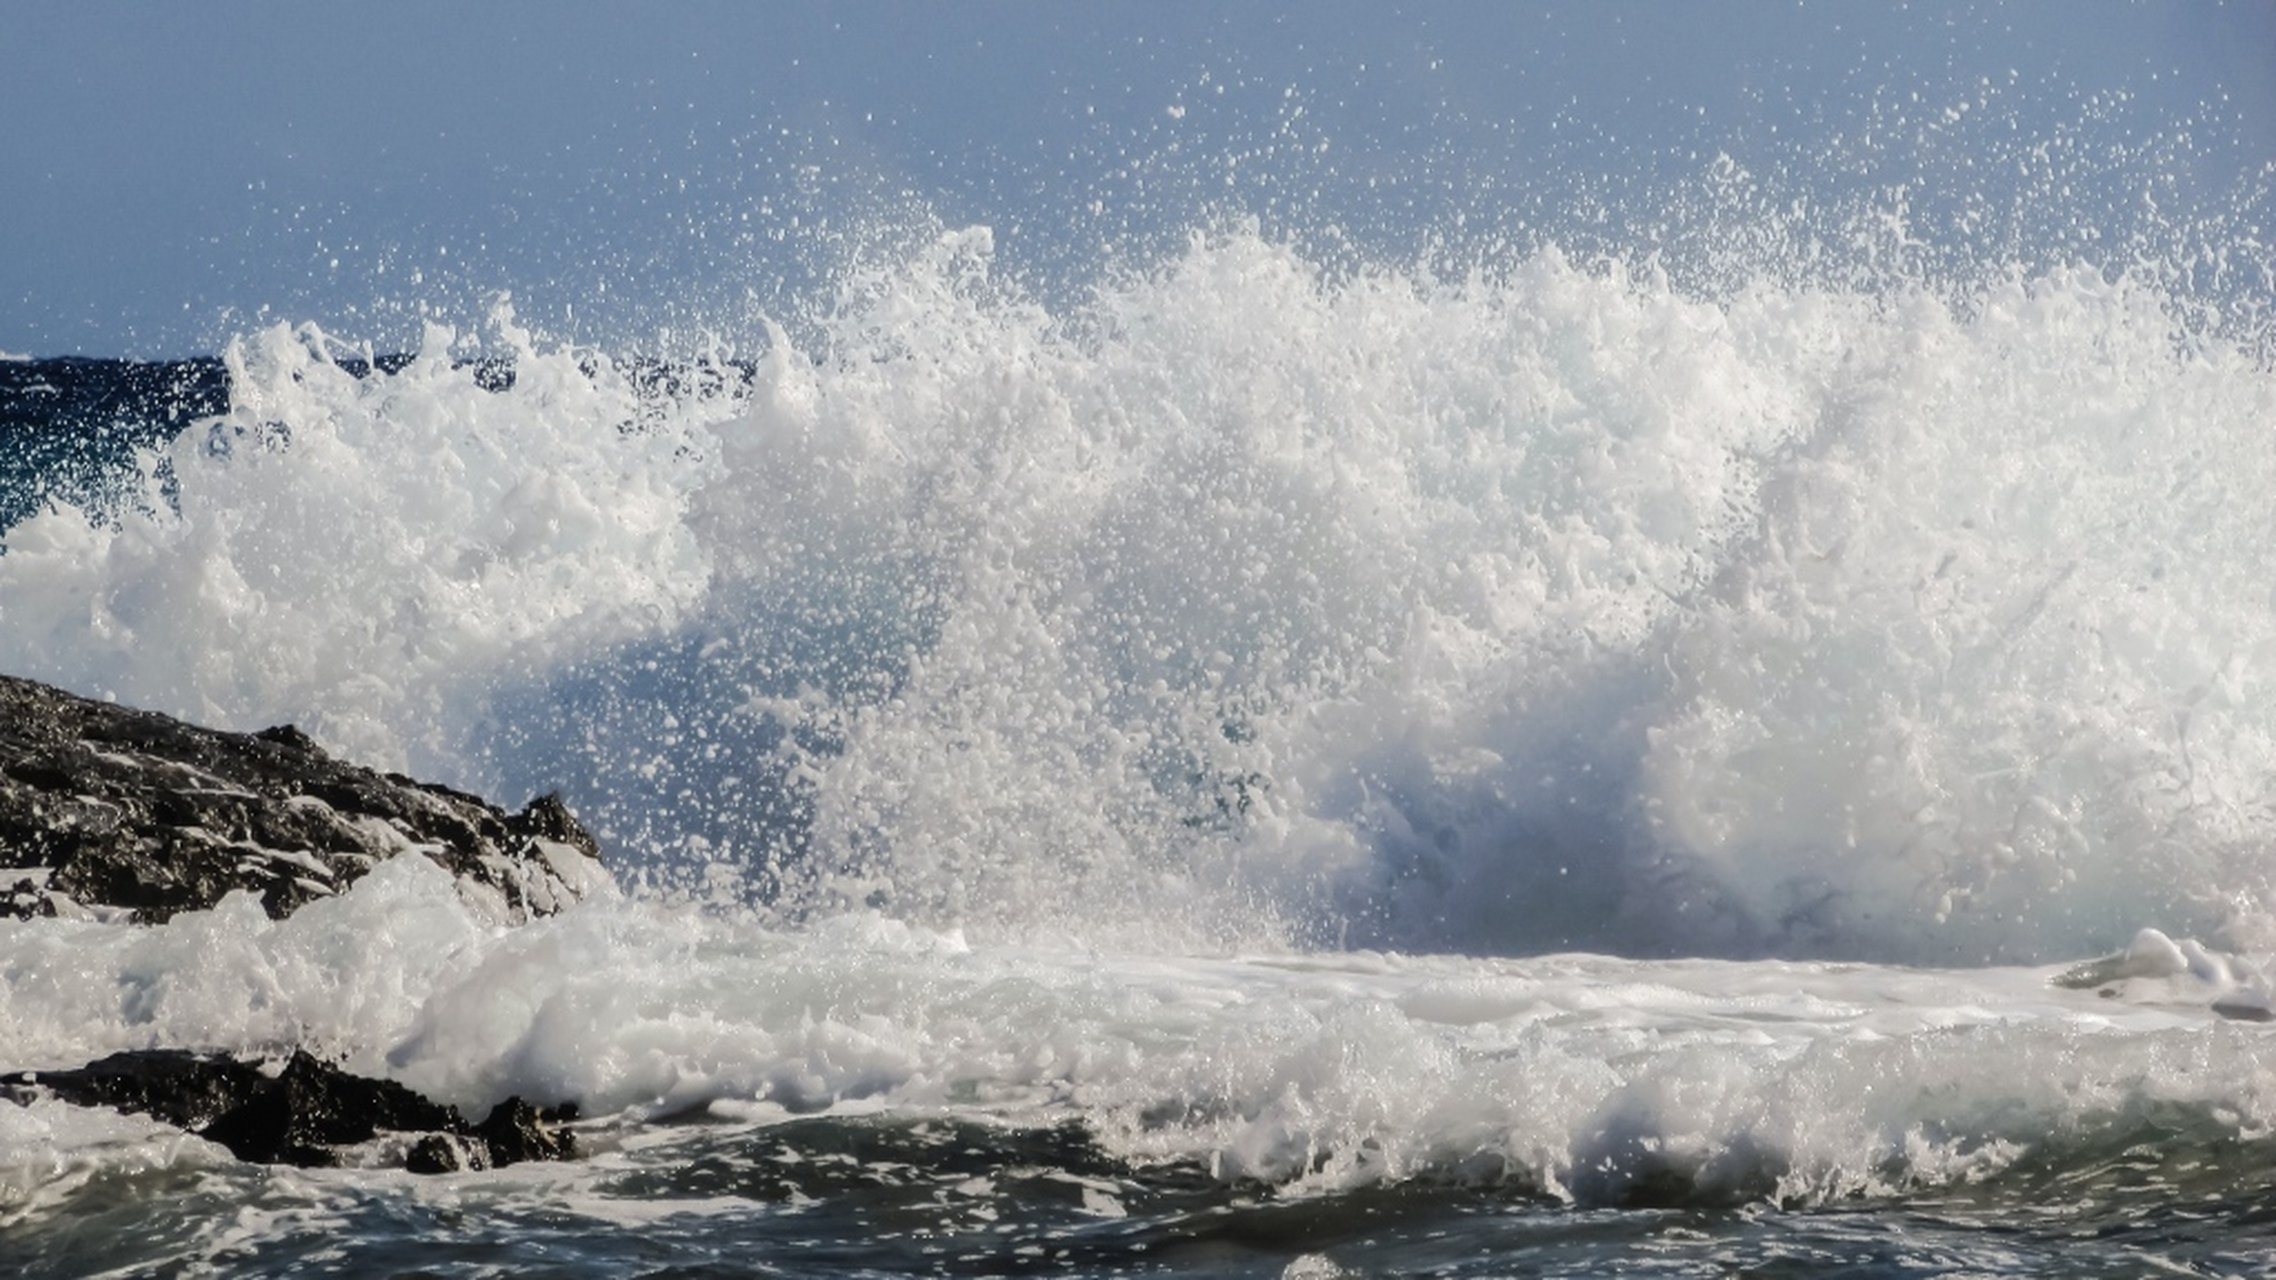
(1544, 605)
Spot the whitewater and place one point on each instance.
(1280, 764)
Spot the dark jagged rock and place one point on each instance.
(516, 1131)
(309, 1114)
(311, 1110)
(104, 806)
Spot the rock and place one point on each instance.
(515, 1131)
(311, 1110)
(309, 1113)
(441, 1153)
(106, 809)
(103, 807)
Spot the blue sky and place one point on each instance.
(178, 172)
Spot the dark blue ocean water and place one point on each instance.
(69, 428)
(871, 1198)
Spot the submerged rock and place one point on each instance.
(2156, 967)
(307, 1113)
(107, 807)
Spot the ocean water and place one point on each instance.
(1277, 762)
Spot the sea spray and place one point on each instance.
(1990, 675)
(368, 553)
(1546, 605)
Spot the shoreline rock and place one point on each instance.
(107, 811)
(306, 1112)
(108, 808)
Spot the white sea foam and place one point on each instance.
(51, 1151)
(1571, 1074)
(1255, 604)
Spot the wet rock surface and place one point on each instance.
(305, 1112)
(104, 807)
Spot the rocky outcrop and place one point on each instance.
(104, 808)
(109, 811)
(306, 1112)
